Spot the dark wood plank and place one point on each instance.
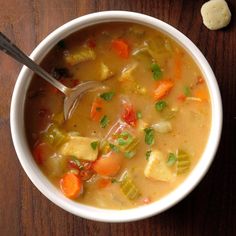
(209, 210)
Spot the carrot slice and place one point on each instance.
(71, 185)
(108, 165)
(163, 88)
(121, 48)
(96, 109)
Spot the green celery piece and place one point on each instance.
(129, 189)
(183, 162)
(55, 136)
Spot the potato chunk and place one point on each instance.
(81, 148)
(156, 168)
(215, 14)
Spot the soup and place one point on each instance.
(136, 139)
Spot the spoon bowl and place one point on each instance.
(72, 95)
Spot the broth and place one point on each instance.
(133, 142)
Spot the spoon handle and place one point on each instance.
(9, 48)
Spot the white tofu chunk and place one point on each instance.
(156, 168)
(215, 14)
(80, 147)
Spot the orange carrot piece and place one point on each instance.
(181, 97)
(121, 48)
(96, 109)
(41, 152)
(103, 183)
(108, 165)
(71, 185)
(163, 88)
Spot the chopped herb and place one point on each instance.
(156, 71)
(148, 154)
(104, 121)
(139, 115)
(124, 139)
(160, 105)
(107, 96)
(61, 44)
(129, 154)
(149, 136)
(114, 181)
(187, 91)
(94, 145)
(114, 147)
(171, 159)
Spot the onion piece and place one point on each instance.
(162, 127)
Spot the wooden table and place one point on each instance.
(209, 210)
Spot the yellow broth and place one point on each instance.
(131, 79)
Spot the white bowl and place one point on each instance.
(49, 190)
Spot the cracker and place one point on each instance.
(215, 14)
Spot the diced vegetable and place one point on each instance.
(171, 159)
(187, 91)
(129, 115)
(105, 72)
(162, 127)
(108, 165)
(156, 168)
(129, 154)
(42, 152)
(129, 188)
(156, 71)
(107, 96)
(114, 148)
(104, 121)
(121, 48)
(71, 185)
(163, 88)
(195, 99)
(139, 115)
(160, 105)
(94, 145)
(54, 136)
(149, 136)
(80, 147)
(82, 55)
(96, 109)
(183, 162)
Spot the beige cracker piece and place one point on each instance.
(215, 14)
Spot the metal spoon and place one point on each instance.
(72, 95)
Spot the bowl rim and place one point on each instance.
(109, 215)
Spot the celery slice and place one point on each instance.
(55, 136)
(128, 187)
(84, 54)
(183, 162)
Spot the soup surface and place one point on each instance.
(135, 140)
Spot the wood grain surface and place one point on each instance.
(209, 210)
